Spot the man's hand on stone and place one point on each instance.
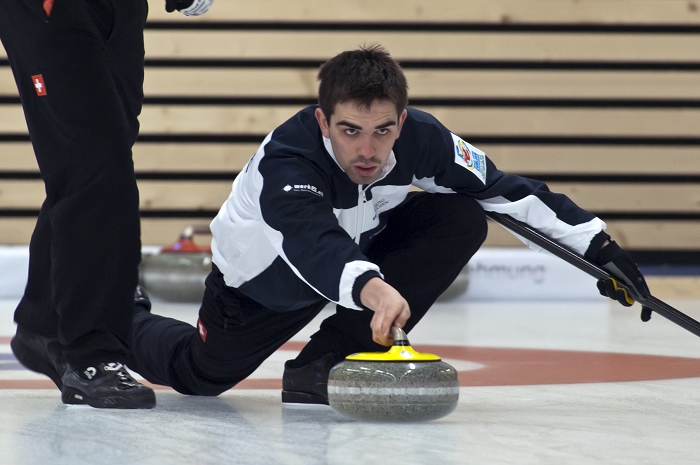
(390, 309)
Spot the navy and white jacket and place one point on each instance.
(294, 228)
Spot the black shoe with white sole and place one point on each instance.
(107, 385)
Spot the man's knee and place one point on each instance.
(463, 219)
(195, 372)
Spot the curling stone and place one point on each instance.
(178, 271)
(400, 385)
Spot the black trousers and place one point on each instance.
(79, 71)
(428, 240)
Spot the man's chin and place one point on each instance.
(359, 179)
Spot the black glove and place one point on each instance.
(172, 5)
(620, 264)
(188, 7)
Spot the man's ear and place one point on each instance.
(323, 123)
(402, 118)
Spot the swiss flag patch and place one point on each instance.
(202, 330)
(39, 85)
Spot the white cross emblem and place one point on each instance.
(38, 85)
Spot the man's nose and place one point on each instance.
(366, 147)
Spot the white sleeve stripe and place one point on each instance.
(347, 280)
(429, 185)
(533, 211)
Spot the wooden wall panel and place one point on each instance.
(461, 45)
(553, 84)
(209, 195)
(568, 121)
(231, 82)
(17, 156)
(431, 83)
(628, 197)
(218, 119)
(154, 195)
(463, 121)
(154, 231)
(183, 195)
(7, 81)
(652, 235)
(15, 231)
(22, 194)
(12, 119)
(527, 159)
(292, 82)
(637, 235)
(194, 176)
(637, 160)
(497, 11)
(186, 157)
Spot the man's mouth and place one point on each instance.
(365, 170)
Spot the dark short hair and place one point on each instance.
(363, 76)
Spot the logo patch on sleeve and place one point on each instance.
(470, 158)
(303, 188)
(39, 85)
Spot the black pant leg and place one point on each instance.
(82, 138)
(234, 336)
(125, 53)
(427, 242)
(37, 312)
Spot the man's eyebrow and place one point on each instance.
(354, 126)
(350, 125)
(386, 125)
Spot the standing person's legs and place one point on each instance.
(234, 335)
(427, 242)
(85, 249)
(71, 60)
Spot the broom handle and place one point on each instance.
(577, 260)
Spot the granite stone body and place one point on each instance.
(393, 391)
(176, 277)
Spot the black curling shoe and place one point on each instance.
(308, 384)
(39, 353)
(142, 301)
(107, 385)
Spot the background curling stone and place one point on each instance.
(400, 385)
(177, 272)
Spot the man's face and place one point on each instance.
(361, 137)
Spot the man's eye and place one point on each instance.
(382, 131)
(350, 131)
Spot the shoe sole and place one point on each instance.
(72, 396)
(30, 359)
(295, 397)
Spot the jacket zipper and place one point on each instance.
(361, 198)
